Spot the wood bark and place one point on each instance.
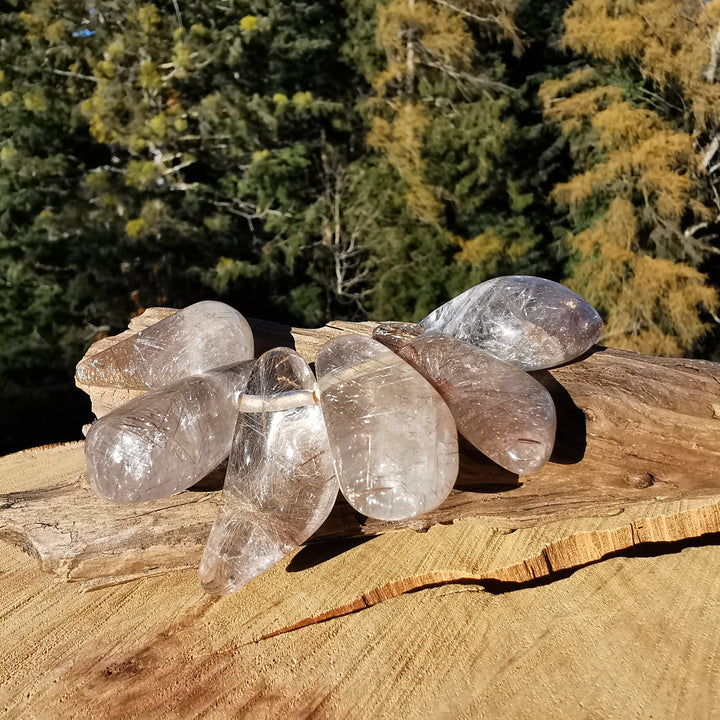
(633, 431)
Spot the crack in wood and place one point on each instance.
(491, 582)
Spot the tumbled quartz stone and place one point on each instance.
(506, 414)
(168, 439)
(527, 321)
(280, 484)
(203, 336)
(392, 437)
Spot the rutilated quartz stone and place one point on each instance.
(203, 336)
(506, 414)
(526, 321)
(168, 439)
(280, 484)
(392, 437)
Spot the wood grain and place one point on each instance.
(77, 536)
(631, 637)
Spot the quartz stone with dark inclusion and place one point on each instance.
(280, 484)
(392, 437)
(168, 439)
(506, 414)
(203, 336)
(527, 321)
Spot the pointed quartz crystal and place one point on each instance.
(280, 484)
(506, 414)
(392, 437)
(526, 321)
(203, 336)
(168, 439)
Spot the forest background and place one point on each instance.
(347, 159)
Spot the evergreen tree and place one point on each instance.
(441, 129)
(43, 279)
(300, 160)
(158, 154)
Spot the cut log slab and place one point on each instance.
(630, 638)
(634, 433)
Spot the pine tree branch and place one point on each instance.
(505, 29)
(473, 80)
(709, 152)
(177, 13)
(67, 73)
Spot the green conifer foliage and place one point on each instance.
(441, 135)
(300, 160)
(158, 154)
(44, 283)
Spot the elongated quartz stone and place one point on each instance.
(392, 437)
(526, 321)
(506, 414)
(280, 484)
(201, 337)
(168, 439)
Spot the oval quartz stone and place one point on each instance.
(203, 336)
(280, 484)
(506, 414)
(392, 437)
(166, 440)
(526, 321)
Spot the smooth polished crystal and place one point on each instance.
(527, 321)
(392, 437)
(506, 414)
(280, 484)
(203, 336)
(168, 439)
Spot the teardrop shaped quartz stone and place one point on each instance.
(526, 321)
(203, 336)
(506, 414)
(392, 437)
(280, 484)
(166, 440)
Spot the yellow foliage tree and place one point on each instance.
(401, 139)
(413, 33)
(429, 77)
(135, 104)
(642, 143)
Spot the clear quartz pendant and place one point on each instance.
(506, 414)
(203, 336)
(166, 440)
(392, 437)
(526, 321)
(280, 484)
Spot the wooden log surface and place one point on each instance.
(633, 430)
(632, 637)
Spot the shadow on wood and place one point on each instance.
(571, 434)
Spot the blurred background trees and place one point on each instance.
(347, 158)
